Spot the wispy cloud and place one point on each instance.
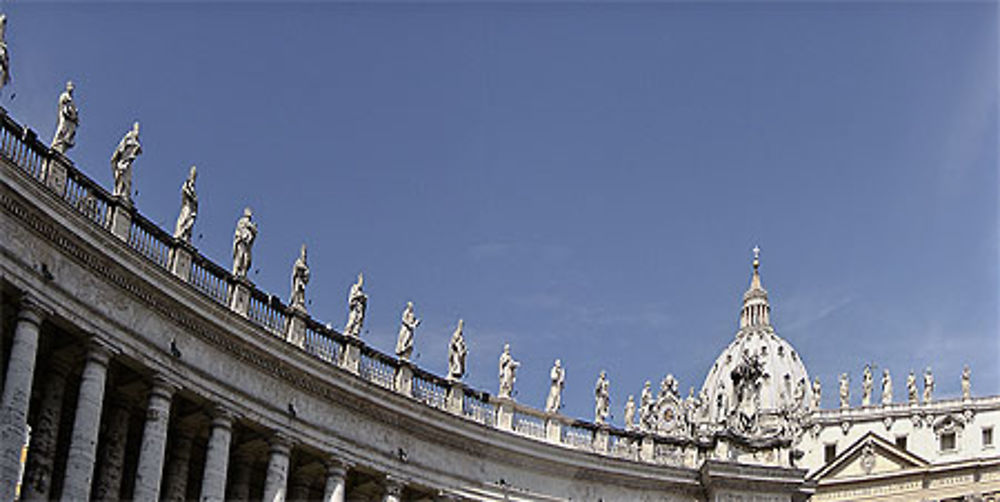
(800, 317)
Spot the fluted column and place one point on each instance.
(45, 435)
(149, 471)
(393, 489)
(86, 425)
(336, 481)
(276, 484)
(17, 394)
(175, 480)
(109, 474)
(213, 483)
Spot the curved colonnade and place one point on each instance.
(146, 371)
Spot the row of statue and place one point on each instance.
(913, 394)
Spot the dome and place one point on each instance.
(778, 381)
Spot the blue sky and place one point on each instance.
(582, 180)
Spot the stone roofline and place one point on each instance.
(904, 410)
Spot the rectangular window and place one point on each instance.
(987, 437)
(901, 442)
(948, 442)
(829, 453)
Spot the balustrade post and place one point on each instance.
(647, 451)
(55, 172)
(601, 439)
(553, 428)
(121, 218)
(336, 480)
(295, 330)
(86, 425)
(180, 259)
(17, 394)
(404, 378)
(456, 398)
(505, 413)
(351, 358)
(149, 472)
(239, 296)
(213, 484)
(276, 483)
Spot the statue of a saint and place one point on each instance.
(69, 119)
(357, 303)
(246, 233)
(966, 382)
(404, 342)
(886, 387)
(4, 55)
(189, 208)
(300, 277)
(817, 396)
(799, 398)
(646, 405)
(845, 391)
(121, 162)
(928, 385)
(557, 377)
(508, 369)
(867, 384)
(911, 388)
(457, 353)
(602, 400)
(630, 413)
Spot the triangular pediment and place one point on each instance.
(869, 456)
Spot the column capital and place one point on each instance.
(98, 352)
(336, 466)
(280, 443)
(394, 486)
(163, 387)
(32, 310)
(222, 416)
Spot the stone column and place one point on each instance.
(177, 469)
(149, 471)
(336, 481)
(17, 394)
(213, 482)
(86, 425)
(298, 490)
(393, 489)
(41, 456)
(242, 469)
(109, 475)
(276, 483)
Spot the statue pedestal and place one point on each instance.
(239, 296)
(295, 331)
(456, 397)
(180, 259)
(55, 172)
(505, 413)
(601, 439)
(404, 378)
(553, 429)
(351, 358)
(121, 219)
(647, 450)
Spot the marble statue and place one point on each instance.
(799, 399)
(886, 387)
(602, 399)
(4, 55)
(357, 303)
(845, 391)
(966, 382)
(746, 378)
(404, 342)
(508, 370)
(911, 388)
(630, 413)
(69, 119)
(928, 385)
(300, 277)
(246, 233)
(189, 208)
(646, 407)
(557, 377)
(121, 162)
(457, 353)
(867, 384)
(817, 394)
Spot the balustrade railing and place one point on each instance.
(20, 146)
(320, 342)
(529, 424)
(88, 198)
(477, 406)
(209, 278)
(430, 389)
(578, 435)
(377, 367)
(267, 311)
(150, 240)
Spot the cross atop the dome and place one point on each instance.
(756, 257)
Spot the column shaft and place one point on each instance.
(17, 396)
(275, 486)
(109, 473)
(213, 484)
(336, 476)
(86, 425)
(41, 456)
(175, 481)
(242, 469)
(149, 471)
